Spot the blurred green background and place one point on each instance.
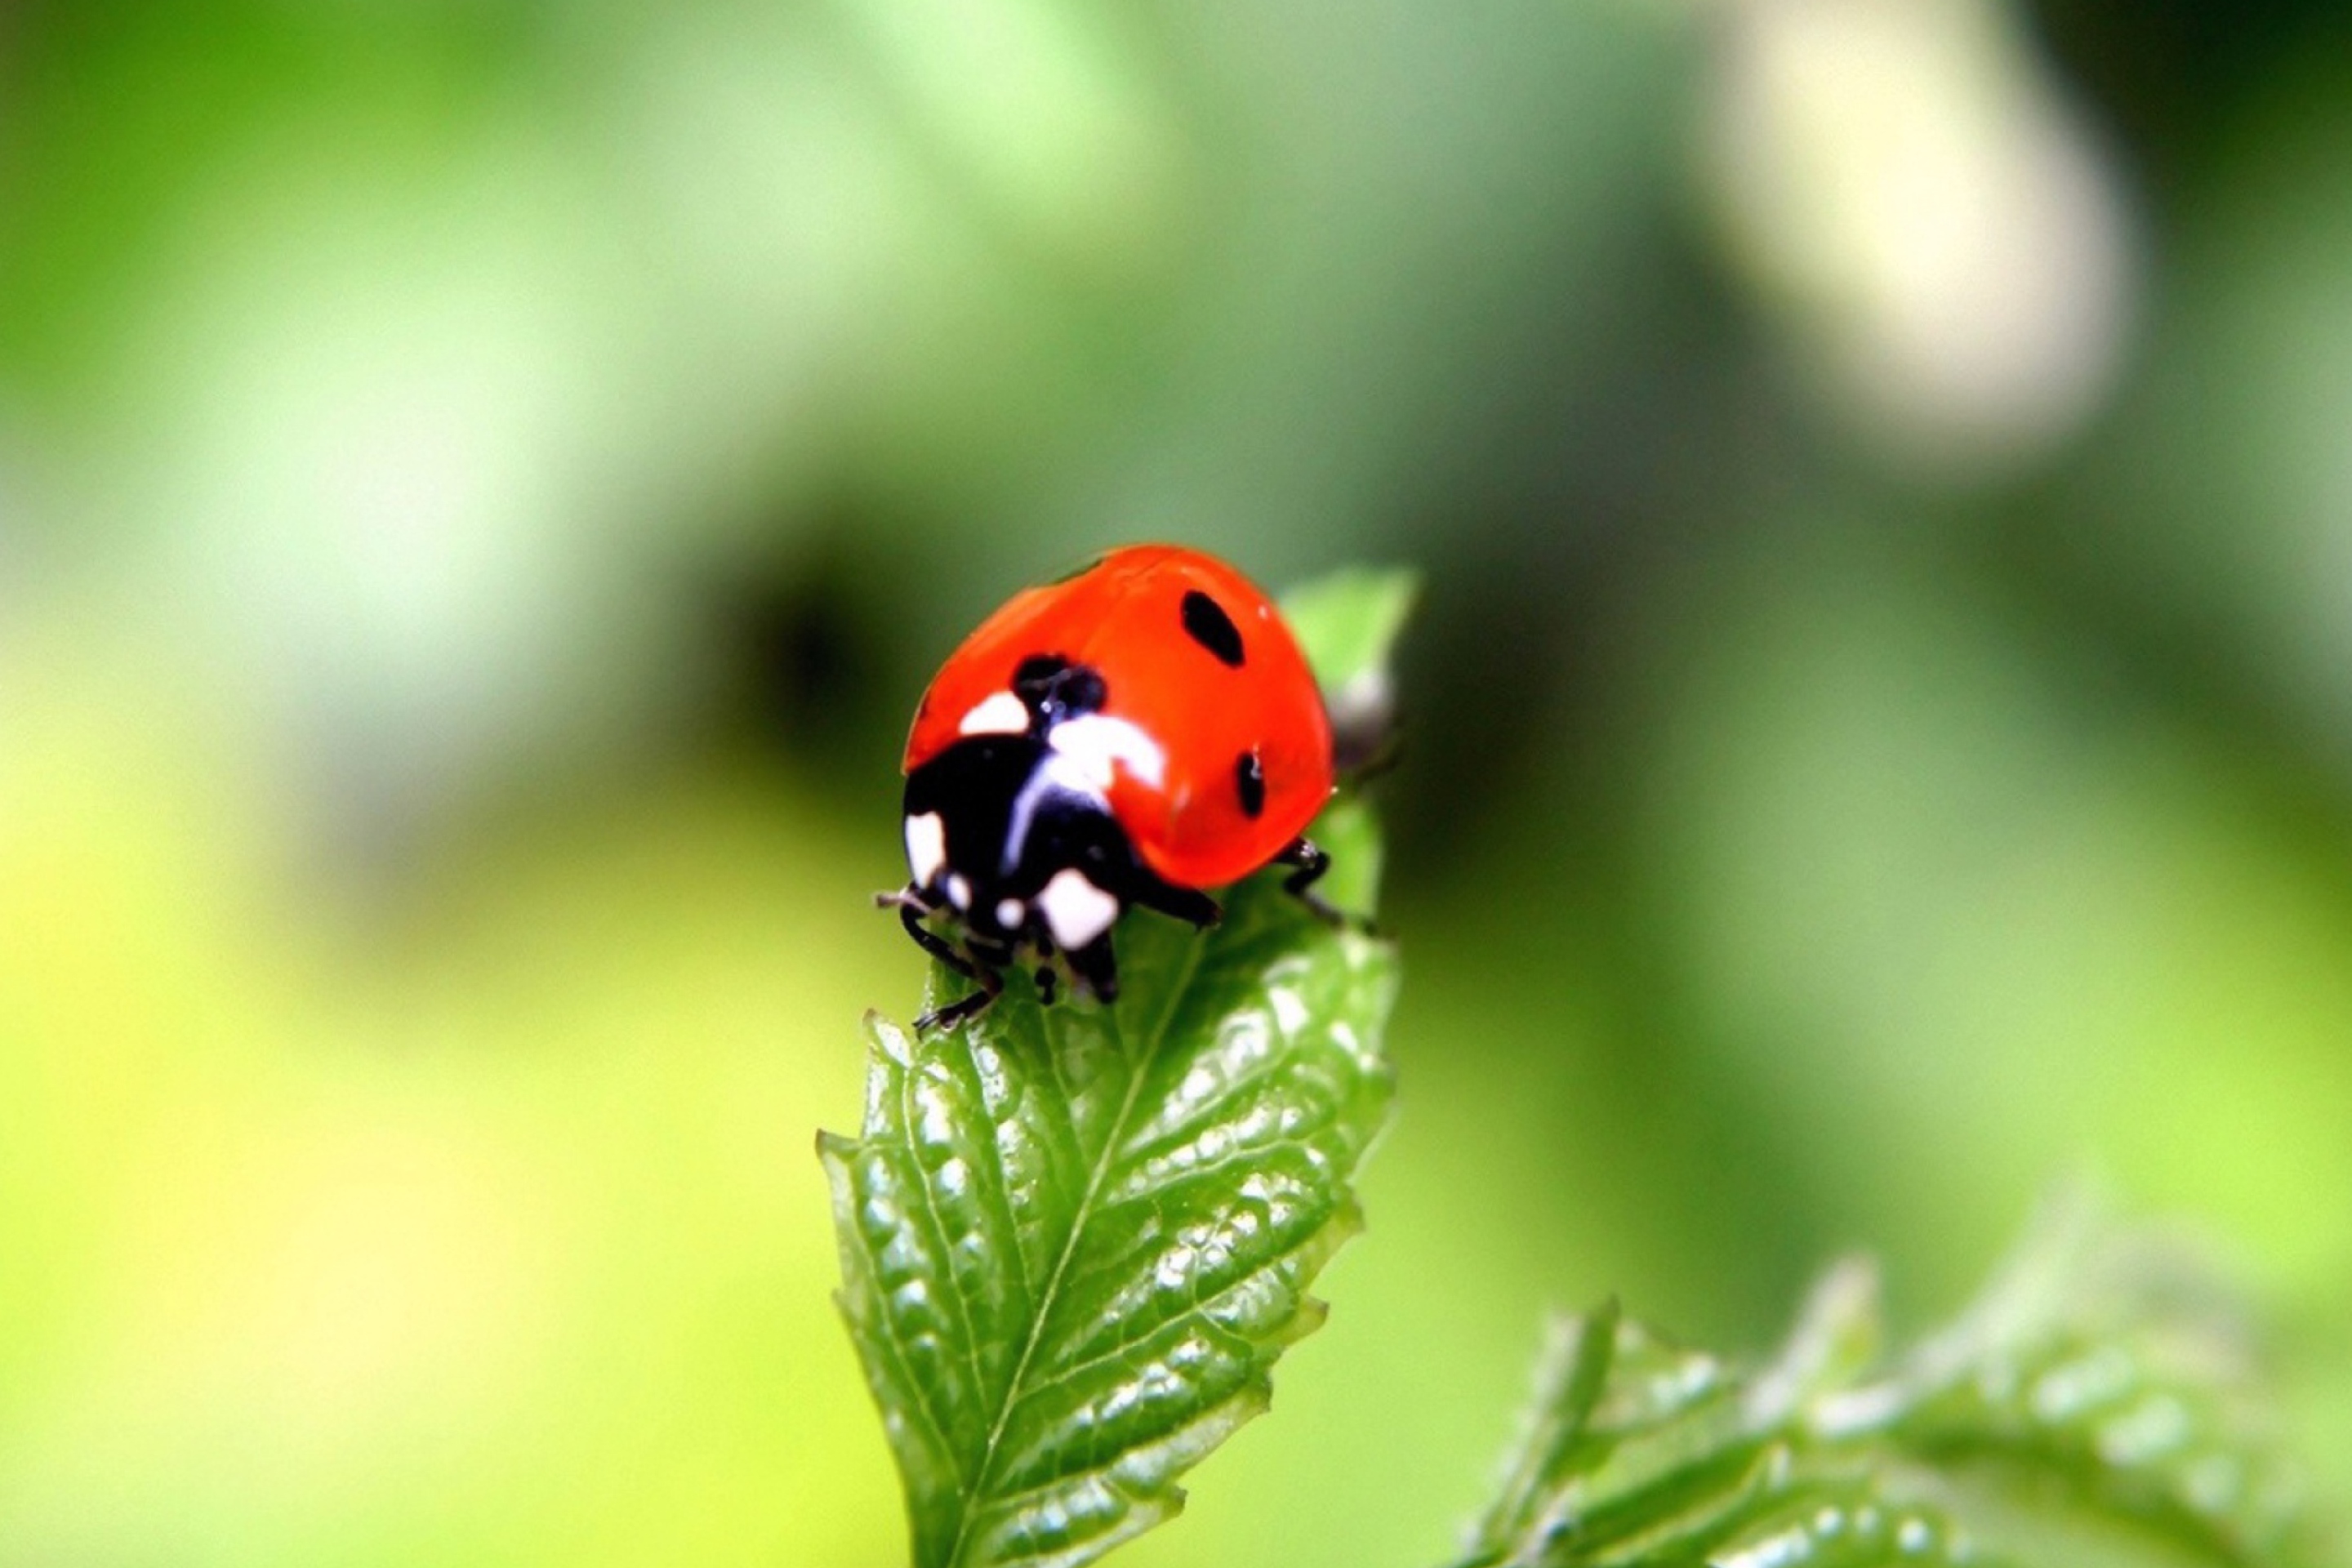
(483, 481)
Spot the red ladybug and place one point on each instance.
(1134, 733)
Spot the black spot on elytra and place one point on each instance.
(1080, 691)
(1034, 673)
(1053, 688)
(1249, 783)
(1207, 623)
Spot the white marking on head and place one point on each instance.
(1000, 714)
(1009, 913)
(959, 890)
(927, 847)
(1080, 754)
(1076, 911)
(1053, 775)
(1093, 743)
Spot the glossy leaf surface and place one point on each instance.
(1074, 1239)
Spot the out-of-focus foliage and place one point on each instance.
(2093, 1405)
(482, 483)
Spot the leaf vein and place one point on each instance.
(1042, 1310)
(1068, 1372)
(938, 1230)
(997, 1195)
(887, 1342)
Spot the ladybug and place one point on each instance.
(1134, 733)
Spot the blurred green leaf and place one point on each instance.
(1076, 1239)
(1346, 623)
(1350, 620)
(2093, 1405)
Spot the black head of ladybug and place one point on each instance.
(1011, 834)
(1000, 830)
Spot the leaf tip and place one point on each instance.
(1312, 1313)
(888, 1038)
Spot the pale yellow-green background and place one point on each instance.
(482, 482)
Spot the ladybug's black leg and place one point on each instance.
(1045, 983)
(1191, 905)
(1097, 969)
(983, 959)
(911, 910)
(1308, 861)
(992, 984)
(986, 951)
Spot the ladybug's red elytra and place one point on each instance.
(1138, 733)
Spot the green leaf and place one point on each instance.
(1074, 1239)
(1346, 623)
(2093, 1405)
(1349, 621)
